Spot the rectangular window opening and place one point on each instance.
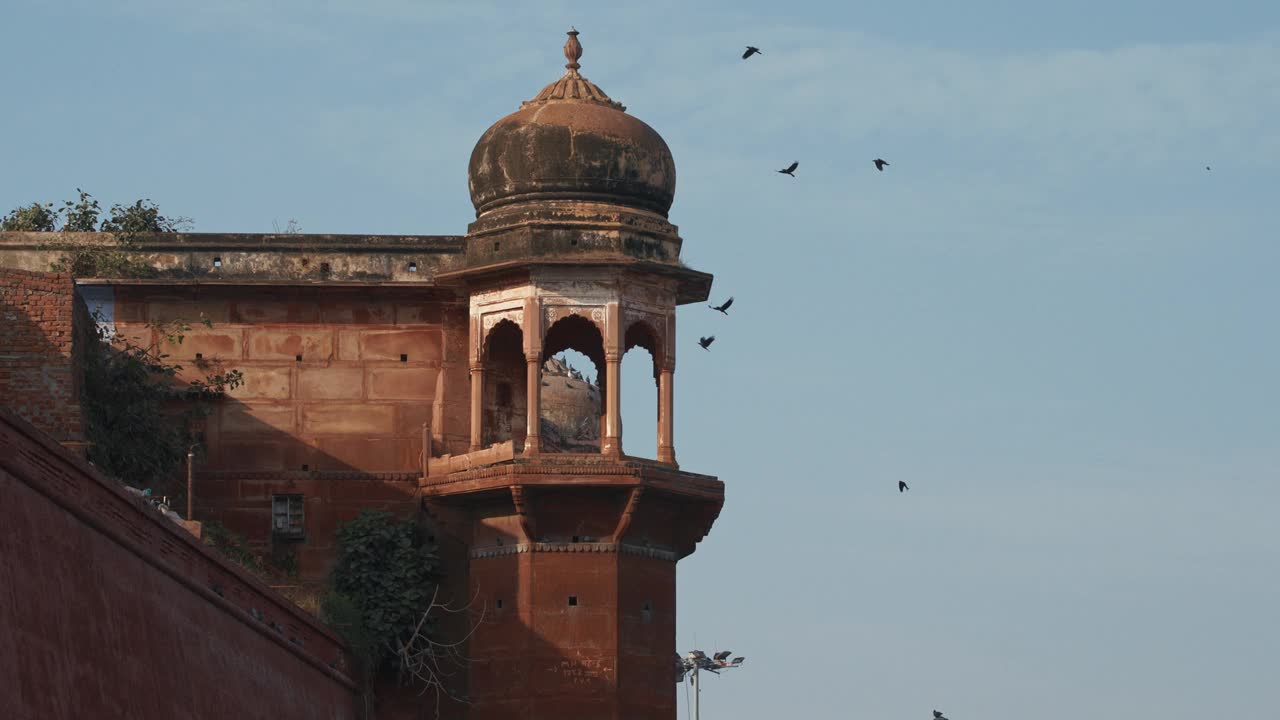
(573, 600)
(404, 357)
(287, 515)
(297, 358)
(499, 603)
(217, 262)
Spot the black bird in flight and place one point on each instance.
(706, 341)
(790, 170)
(938, 716)
(1206, 167)
(751, 50)
(880, 164)
(902, 486)
(723, 308)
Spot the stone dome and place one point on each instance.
(572, 142)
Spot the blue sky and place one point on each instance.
(1045, 315)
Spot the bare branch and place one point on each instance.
(421, 655)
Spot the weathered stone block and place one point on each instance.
(413, 383)
(349, 345)
(219, 343)
(418, 345)
(314, 345)
(245, 418)
(339, 419)
(263, 383)
(333, 383)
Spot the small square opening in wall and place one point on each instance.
(217, 262)
(413, 267)
(199, 356)
(496, 245)
(573, 601)
(297, 358)
(324, 267)
(499, 603)
(404, 357)
(305, 467)
(577, 538)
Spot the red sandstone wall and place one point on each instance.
(610, 654)
(342, 426)
(108, 610)
(350, 403)
(39, 365)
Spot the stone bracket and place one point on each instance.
(519, 501)
(624, 520)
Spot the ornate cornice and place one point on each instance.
(548, 547)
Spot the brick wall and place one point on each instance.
(109, 610)
(40, 319)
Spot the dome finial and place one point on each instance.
(572, 50)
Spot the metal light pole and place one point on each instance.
(697, 660)
(696, 696)
(191, 486)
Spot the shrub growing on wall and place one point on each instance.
(383, 580)
(110, 256)
(128, 390)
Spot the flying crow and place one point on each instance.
(880, 164)
(751, 50)
(902, 486)
(723, 308)
(790, 170)
(706, 341)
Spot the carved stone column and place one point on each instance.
(533, 374)
(477, 402)
(612, 444)
(533, 438)
(666, 414)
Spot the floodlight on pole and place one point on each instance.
(695, 661)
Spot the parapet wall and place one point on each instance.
(109, 610)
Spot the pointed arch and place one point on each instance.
(505, 392)
(571, 407)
